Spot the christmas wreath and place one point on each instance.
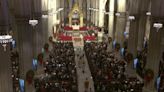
(149, 75)
(46, 47)
(30, 76)
(50, 39)
(40, 58)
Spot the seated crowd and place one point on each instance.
(60, 70)
(108, 71)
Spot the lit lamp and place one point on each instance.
(90, 8)
(33, 22)
(158, 26)
(44, 16)
(117, 14)
(131, 18)
(148, 13)
(5, 39)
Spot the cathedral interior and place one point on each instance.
(81, 46)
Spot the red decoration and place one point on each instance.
(46, 47)
(149, 75)
(40, 58)
(29, 76)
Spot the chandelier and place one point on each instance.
(5, 39)
(158, 26)
(33, 22)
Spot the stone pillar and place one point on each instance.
(101, 12)
(144, 7)
(5, 66)
(120, 21)
(154, 51)
(120, 28)
(5, 70)
(147, 31)
(62, 12)
(134, 26)
(111, 21)
(155, 41)
(141, 31)
(52, 19)
(44, 21)
(133, 36)
(93, 12)
(96, 18)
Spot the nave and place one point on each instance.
(81, 45)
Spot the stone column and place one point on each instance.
(134, 26)
(133, 36)
(120, 21)
(52, 19)
(144, 7)
(62, 12)
(120, 28)
(44, 21)
(93, 12)
(155, 41)
(141, 31)
(96, 18)
(5, 66)
(111, 21)
(5, 70)
(154, 51)
(101, 12)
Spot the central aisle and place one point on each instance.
(83, 76)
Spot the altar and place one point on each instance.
(75, 17)
(75, 30)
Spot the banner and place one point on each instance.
(135, 63)
(13, 44)
(21, 85)
(34, 64)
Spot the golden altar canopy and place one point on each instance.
(76, 12)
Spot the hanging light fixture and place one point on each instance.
(148, 13)
(4, 40)
(131, 17)
(117, 14)
(158, 26)
(33, 22)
